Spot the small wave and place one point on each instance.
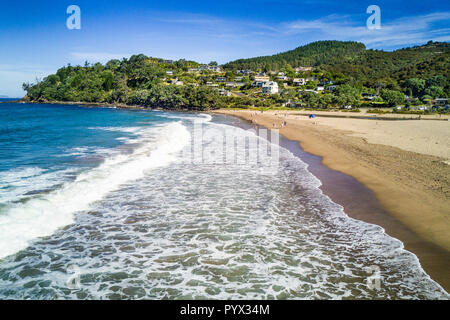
(200, 118)
(42, 216)
(18, 184)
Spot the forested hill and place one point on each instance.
(353, 60)
(314, 54)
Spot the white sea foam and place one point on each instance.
(17, 184)
(218, 231)
(41, 216)
(199, 118)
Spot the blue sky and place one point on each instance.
(35, 41)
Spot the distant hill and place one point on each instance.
(313, 54)
(353, 60)
(3, 96)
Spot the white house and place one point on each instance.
(177, 82)
(320, 88)
(270, 87)
(299, 82)
(224, 92)
(262, 78)
(301, 69)
(169, 72)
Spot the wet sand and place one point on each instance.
(407, 193)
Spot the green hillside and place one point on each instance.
(314, 54)
(351, 59)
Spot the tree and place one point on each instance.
(392, 97)
(416, 85)
(434, 91)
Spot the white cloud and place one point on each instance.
(13, 76)
(401, 31)
(97, 56)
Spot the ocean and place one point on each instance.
(104, 203)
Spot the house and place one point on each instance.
(289, 104)
(224, 92)
(221, 79)
(177, 82)
(311, 79)
(209, 68)
(281, 74)
(262, 78)
(169, 72)
(259, 84)
(331, 88)
(369, 97)
(440, 102)
(234, 84)
(324, 83)
(307, 90)
(299, 82)
(270, 87)
(320, 88)
(238, 79)
(193, 70)
(244, 72)
(303, 69)
(210, 84)
(283, 78)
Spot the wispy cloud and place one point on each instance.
(13, 75)
(398, 32)
(97, 56)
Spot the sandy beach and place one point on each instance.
(405, 163)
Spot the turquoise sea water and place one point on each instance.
(99, 203)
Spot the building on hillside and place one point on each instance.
(169, 72)
(262, 78)
(303, 69)
(177, 82)
(224, 92)
(259, 84)
(209, 68)
(299, 82)
(210, 84)
(270, 87)
(440, 102)
(193, 70)
(369, 97)
(307, 90)
(221, 79)
(331, 88)
(245, 72)
(234, 84)
(283, 78)
(320, 88)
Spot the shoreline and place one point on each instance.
(382, 198)
(434, 258)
